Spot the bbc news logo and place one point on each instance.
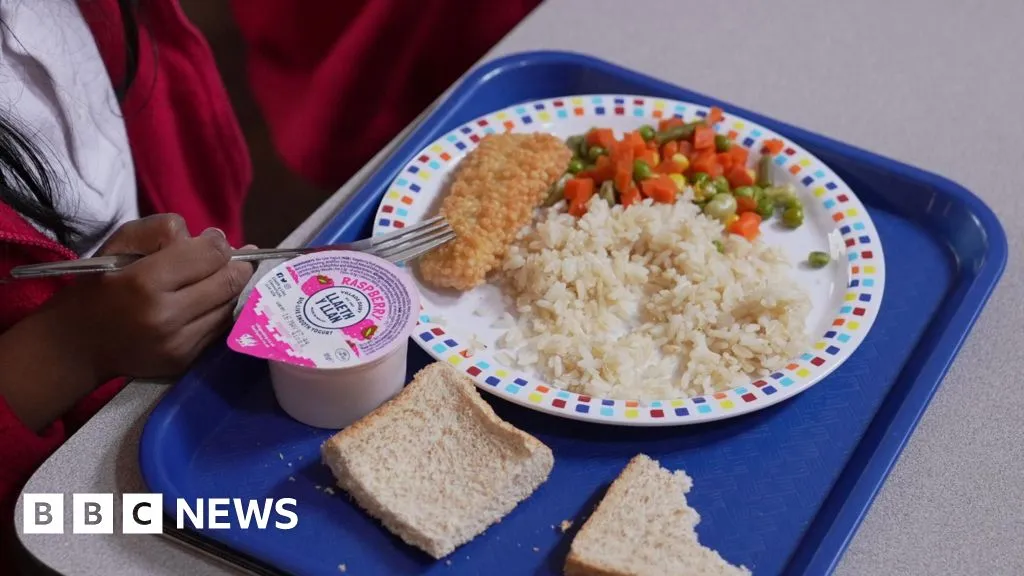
(144, 514)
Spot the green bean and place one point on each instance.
(818, 259)
(793, 217)
(745, 192)
(783, 196)
(721, 185)
(718, 245)
(557, 192)
(575, 143)
(675, 133)
(722, 144)
(641, 171)
(595, 152)
(721, 206)
(764, 172)
(765, 207)
(575, 166)
(607, 192)
(646, 132)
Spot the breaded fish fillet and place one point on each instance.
(497, 186)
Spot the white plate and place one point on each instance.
(846, 295)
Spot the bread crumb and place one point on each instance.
(565, 525)
(448, 562)
(535, 549)
(342, 568)
(328, 490)
(300, 457)
(291, 478)
(317, 487)
(289, 464)
(281, 456)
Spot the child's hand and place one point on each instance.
(153, 318)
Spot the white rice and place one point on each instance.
(640, 303)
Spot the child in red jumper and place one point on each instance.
(116, 135)
(105, 122)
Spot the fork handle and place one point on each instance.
(100, 264)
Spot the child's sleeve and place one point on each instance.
(22, 450)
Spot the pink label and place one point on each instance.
(327, 310)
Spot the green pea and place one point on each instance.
(793, 217)
(646, 132)
(818, 259)
(719, 246)
(764, 172)
(641, 171)
(722, 144)
(721, 206)
(575, 166)
(607, 192)
(575, 143)
(765, 207)
(595, 152)
(721, 185)
(700, 179)
(745, 192)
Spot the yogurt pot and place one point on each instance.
(334, 327)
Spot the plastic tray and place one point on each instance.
(781, 490)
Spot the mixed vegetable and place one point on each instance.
(661, 163)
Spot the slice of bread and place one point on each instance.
(643, 527)
(435, 464)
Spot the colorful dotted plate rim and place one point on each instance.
(861, 301)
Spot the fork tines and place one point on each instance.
(414, 241)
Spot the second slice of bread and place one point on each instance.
(644, 527)
(435, 464)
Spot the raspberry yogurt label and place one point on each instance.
(327, 310)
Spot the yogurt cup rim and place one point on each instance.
(399, 275)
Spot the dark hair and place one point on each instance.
(28, 183)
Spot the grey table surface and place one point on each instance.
(928, 82)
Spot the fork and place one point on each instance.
(399, 246)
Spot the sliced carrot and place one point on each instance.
(739, 155)
(704, 138)
(669, 123)
(652, 145)
(636, 141)
(649, 156)
(705, 161)
(670, 166)
(603, 170)
(739, 176)
(748, 225)
(669, 149)
(622, 152)
(686, 149)
(579, 189)
(603, 137)
(661, 189)
(725, 160)
(630, 196)
(715, 116)
(773, 146)
(745, 204)
(623, 175)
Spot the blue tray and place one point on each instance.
(781, 491)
